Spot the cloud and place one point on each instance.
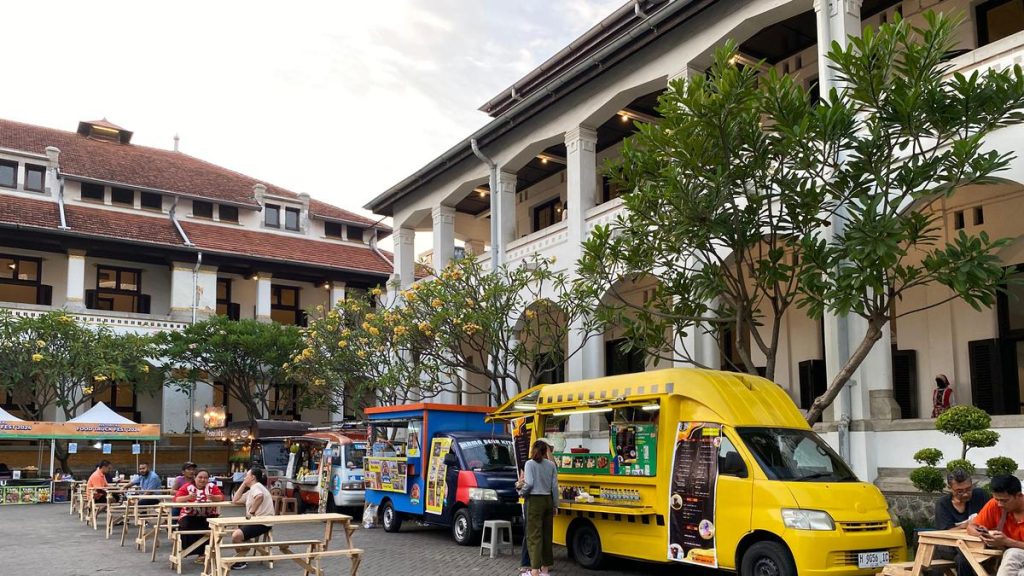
(338, 99)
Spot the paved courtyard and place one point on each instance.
(43, 539)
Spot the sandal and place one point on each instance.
(200, 560)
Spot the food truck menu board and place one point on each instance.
(691, 527)
(635, 447)
(583, 463)
(386, 474)
(436, 477)
(521, 428)
(25, 494)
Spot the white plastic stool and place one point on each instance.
(500, 537)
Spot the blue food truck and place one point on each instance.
(440, 465)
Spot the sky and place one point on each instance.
(339, 99)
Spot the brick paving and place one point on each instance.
(43, 539)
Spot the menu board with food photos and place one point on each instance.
(386, 474)
(583, 463)
(691, 525)
(635, 448)
(25, 494)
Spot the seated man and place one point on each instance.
(954, 510)
(148, 481)
(258, 502)
(97, 483)
(1000, 524)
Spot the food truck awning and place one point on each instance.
(6, 416)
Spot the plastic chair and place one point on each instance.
(500, 532)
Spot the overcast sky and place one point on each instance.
(340, 99)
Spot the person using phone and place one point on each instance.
(1000, 524)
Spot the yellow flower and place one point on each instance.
(37, 357)
(410, 296)
(424, 326)
(471, 329)
(361, 354)
(319, 382)
(366, 326)
(373, 330)
(376, 291)
(40, 343)
(99, 378)
(436, 303)
(470, 302)
(531, 314)
(346, 332)
(145, 368)
(400, 330)
(87, 389)
(371, 317)
(456, 274)
(342, 343)
(319, 308)
(312, 334)
(285, 366)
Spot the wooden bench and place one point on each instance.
(219, 564)
(905, 568)
(261, 548)
(309, 561)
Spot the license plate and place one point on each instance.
(872, 559)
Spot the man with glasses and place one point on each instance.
(1000, 524)
(954, 510)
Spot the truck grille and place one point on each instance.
(849, 557)
(865, 526)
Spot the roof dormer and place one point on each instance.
(104, 130)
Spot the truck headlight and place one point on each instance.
(800, 519)
(483, 494)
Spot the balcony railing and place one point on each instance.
(541, 242)
(121, 321)
(1000, 54)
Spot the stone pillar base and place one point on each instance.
(883, 405)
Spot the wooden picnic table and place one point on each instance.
(164, 511)
(218, 564)
(972, 547)
(140, 514)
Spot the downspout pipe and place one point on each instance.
(497, 245)
(177, 225)
(60, 206)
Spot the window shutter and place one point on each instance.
(144, 304)
(90, 299)
(812, 381)
(986, 375)
(44, 296)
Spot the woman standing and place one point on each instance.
(942, 396)
(541, 490)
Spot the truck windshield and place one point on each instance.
(354, 454)
(487, 453)
(795, 455)
(275, 455)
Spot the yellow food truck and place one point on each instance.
(695, 466)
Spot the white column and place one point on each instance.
(405, 256)
(206, 292)
(581, 195)
(337, 293)
(182, 295)
(503, 210)
(74, 298)
(52, 184)
(263, 284)
(444, 236)
(685, 74)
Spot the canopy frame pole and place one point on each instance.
(53, 451)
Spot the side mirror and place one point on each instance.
(451, 461)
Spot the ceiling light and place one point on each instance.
(98, 445)
(651, 407)
(624, 116)
(543, 160)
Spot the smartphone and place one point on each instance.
(981, 529)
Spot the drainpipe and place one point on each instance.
(497, 246)
(192, 390)
(53, 155)
(177, 225)
(373, 245)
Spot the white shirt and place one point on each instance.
(266, 506)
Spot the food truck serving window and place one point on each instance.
(354, 454)
(487, 453)
(790, 454)
(628, 448)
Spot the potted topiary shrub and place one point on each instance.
(971, 426)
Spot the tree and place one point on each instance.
(248, 357)
(747, 198)
(53, 360)
(469, 330)
(970, 426)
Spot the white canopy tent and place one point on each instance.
(6, 416)
(102, 423)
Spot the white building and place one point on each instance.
(143, 240)
(553, 128)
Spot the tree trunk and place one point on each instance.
(873, 334)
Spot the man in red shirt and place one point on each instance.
(1001, 524)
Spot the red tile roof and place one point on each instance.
(151, 168)
(285, 248)
(323, 210)
(159, 230)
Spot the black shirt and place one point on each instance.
(946, 516)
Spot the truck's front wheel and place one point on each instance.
(767, 559)
(462, 528)
(389, 517)
(586, 547)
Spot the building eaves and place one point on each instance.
(627, 40)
